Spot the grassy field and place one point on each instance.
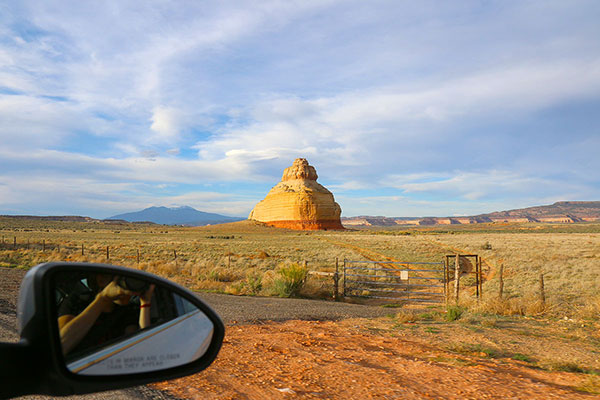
(244, 258)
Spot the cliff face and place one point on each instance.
(299, 202)
(561, 212)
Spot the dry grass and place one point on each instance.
(570, 263)
(234, 257)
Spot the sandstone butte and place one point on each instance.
(299, 202)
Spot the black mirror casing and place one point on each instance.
(36, 364)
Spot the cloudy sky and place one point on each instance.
(406, 108)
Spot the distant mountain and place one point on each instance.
(562, 212)
(175, 216)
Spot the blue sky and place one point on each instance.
(406, 108)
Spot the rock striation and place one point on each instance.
(299, 202)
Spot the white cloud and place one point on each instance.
(167, 124)
(356, 128)
(493, 185)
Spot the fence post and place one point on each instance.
(501, 288)
(344, 287)
(477, 276)
(229, 260)
(446, 278)
(15, 243)
(107, 253)
(445, 265)
(82, 251)
(542, 291)
(456, 278)
(336, 278)
(138, 256)
(43, 245)
(480, 278)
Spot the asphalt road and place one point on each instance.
(232, 309)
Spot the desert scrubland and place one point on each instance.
(225, 257)
(553, 347)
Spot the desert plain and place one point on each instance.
(515, 346)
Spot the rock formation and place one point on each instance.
(299, 202)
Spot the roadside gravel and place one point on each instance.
(242, 310)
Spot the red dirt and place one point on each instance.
(335, 360)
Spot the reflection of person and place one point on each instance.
(107, 314)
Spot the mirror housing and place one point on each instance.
(36, 364)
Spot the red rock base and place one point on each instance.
(307, 225)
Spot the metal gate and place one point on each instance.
(403, 281)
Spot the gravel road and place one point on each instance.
(232, 309)
(238, 309)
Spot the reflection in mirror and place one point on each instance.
(115, 325)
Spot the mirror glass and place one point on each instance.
(115, 325)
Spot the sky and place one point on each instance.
(405, 108)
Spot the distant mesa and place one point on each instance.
(299, 202)
(565, 212)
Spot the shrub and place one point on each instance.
(521, 357)
(220, 274)
(406, 317)
(453, 313)
(290, 280)
(254, 283)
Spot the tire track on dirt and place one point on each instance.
(375, 256)
(367, 253)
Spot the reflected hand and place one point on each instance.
(113, 292)
(147, 296)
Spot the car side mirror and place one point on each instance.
(93, 327)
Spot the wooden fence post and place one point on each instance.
(82, 251)
(43, 245)
(500, 277)
(336, 277)
(456, 278)
(480, 278)
(542, 291)
(229, 260)
(446, 279)
(344, 287)
(138, 256)
(477, 276)
(15, 243)
(107, 253)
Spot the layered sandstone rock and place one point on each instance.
(299, 202)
